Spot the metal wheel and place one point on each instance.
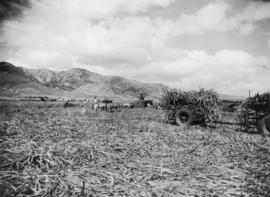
(264, 125)
(183, 117)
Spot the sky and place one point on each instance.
(213, 44)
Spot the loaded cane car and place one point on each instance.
(254, 114)
(193, 107)
(203, 107)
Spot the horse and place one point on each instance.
(110, 106)
(95, 107)
(126, 105)
(102, 106)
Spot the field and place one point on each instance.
(48, 150)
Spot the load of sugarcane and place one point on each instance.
(252, 111)
(201, 107)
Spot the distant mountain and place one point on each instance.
(228, 97)
(14, 81)
(75, 83)
(65, 80)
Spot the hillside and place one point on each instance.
(228, 97)
(14, 81)
(75, 83)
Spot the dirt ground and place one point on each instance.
(48, 150)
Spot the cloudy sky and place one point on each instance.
(220, 44)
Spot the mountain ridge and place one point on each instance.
(76, 82)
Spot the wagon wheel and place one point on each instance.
(183, 117)
(264, 125)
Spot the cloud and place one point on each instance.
(231, 72)
(208, 17)
(10, 9)
(93, 9)
(110, 33)
(94, 32)
(128, 40)
(261, 0)
(118, 38)
(220, 16)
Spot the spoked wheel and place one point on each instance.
(183, 117)
(264, 125)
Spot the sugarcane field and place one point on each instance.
(134, 98)
(48, 149)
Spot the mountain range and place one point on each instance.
(77, 82)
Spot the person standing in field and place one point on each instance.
(84, 107)
(95, 100)
(95, 104)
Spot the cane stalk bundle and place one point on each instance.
(251, 111)
(203, 104)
